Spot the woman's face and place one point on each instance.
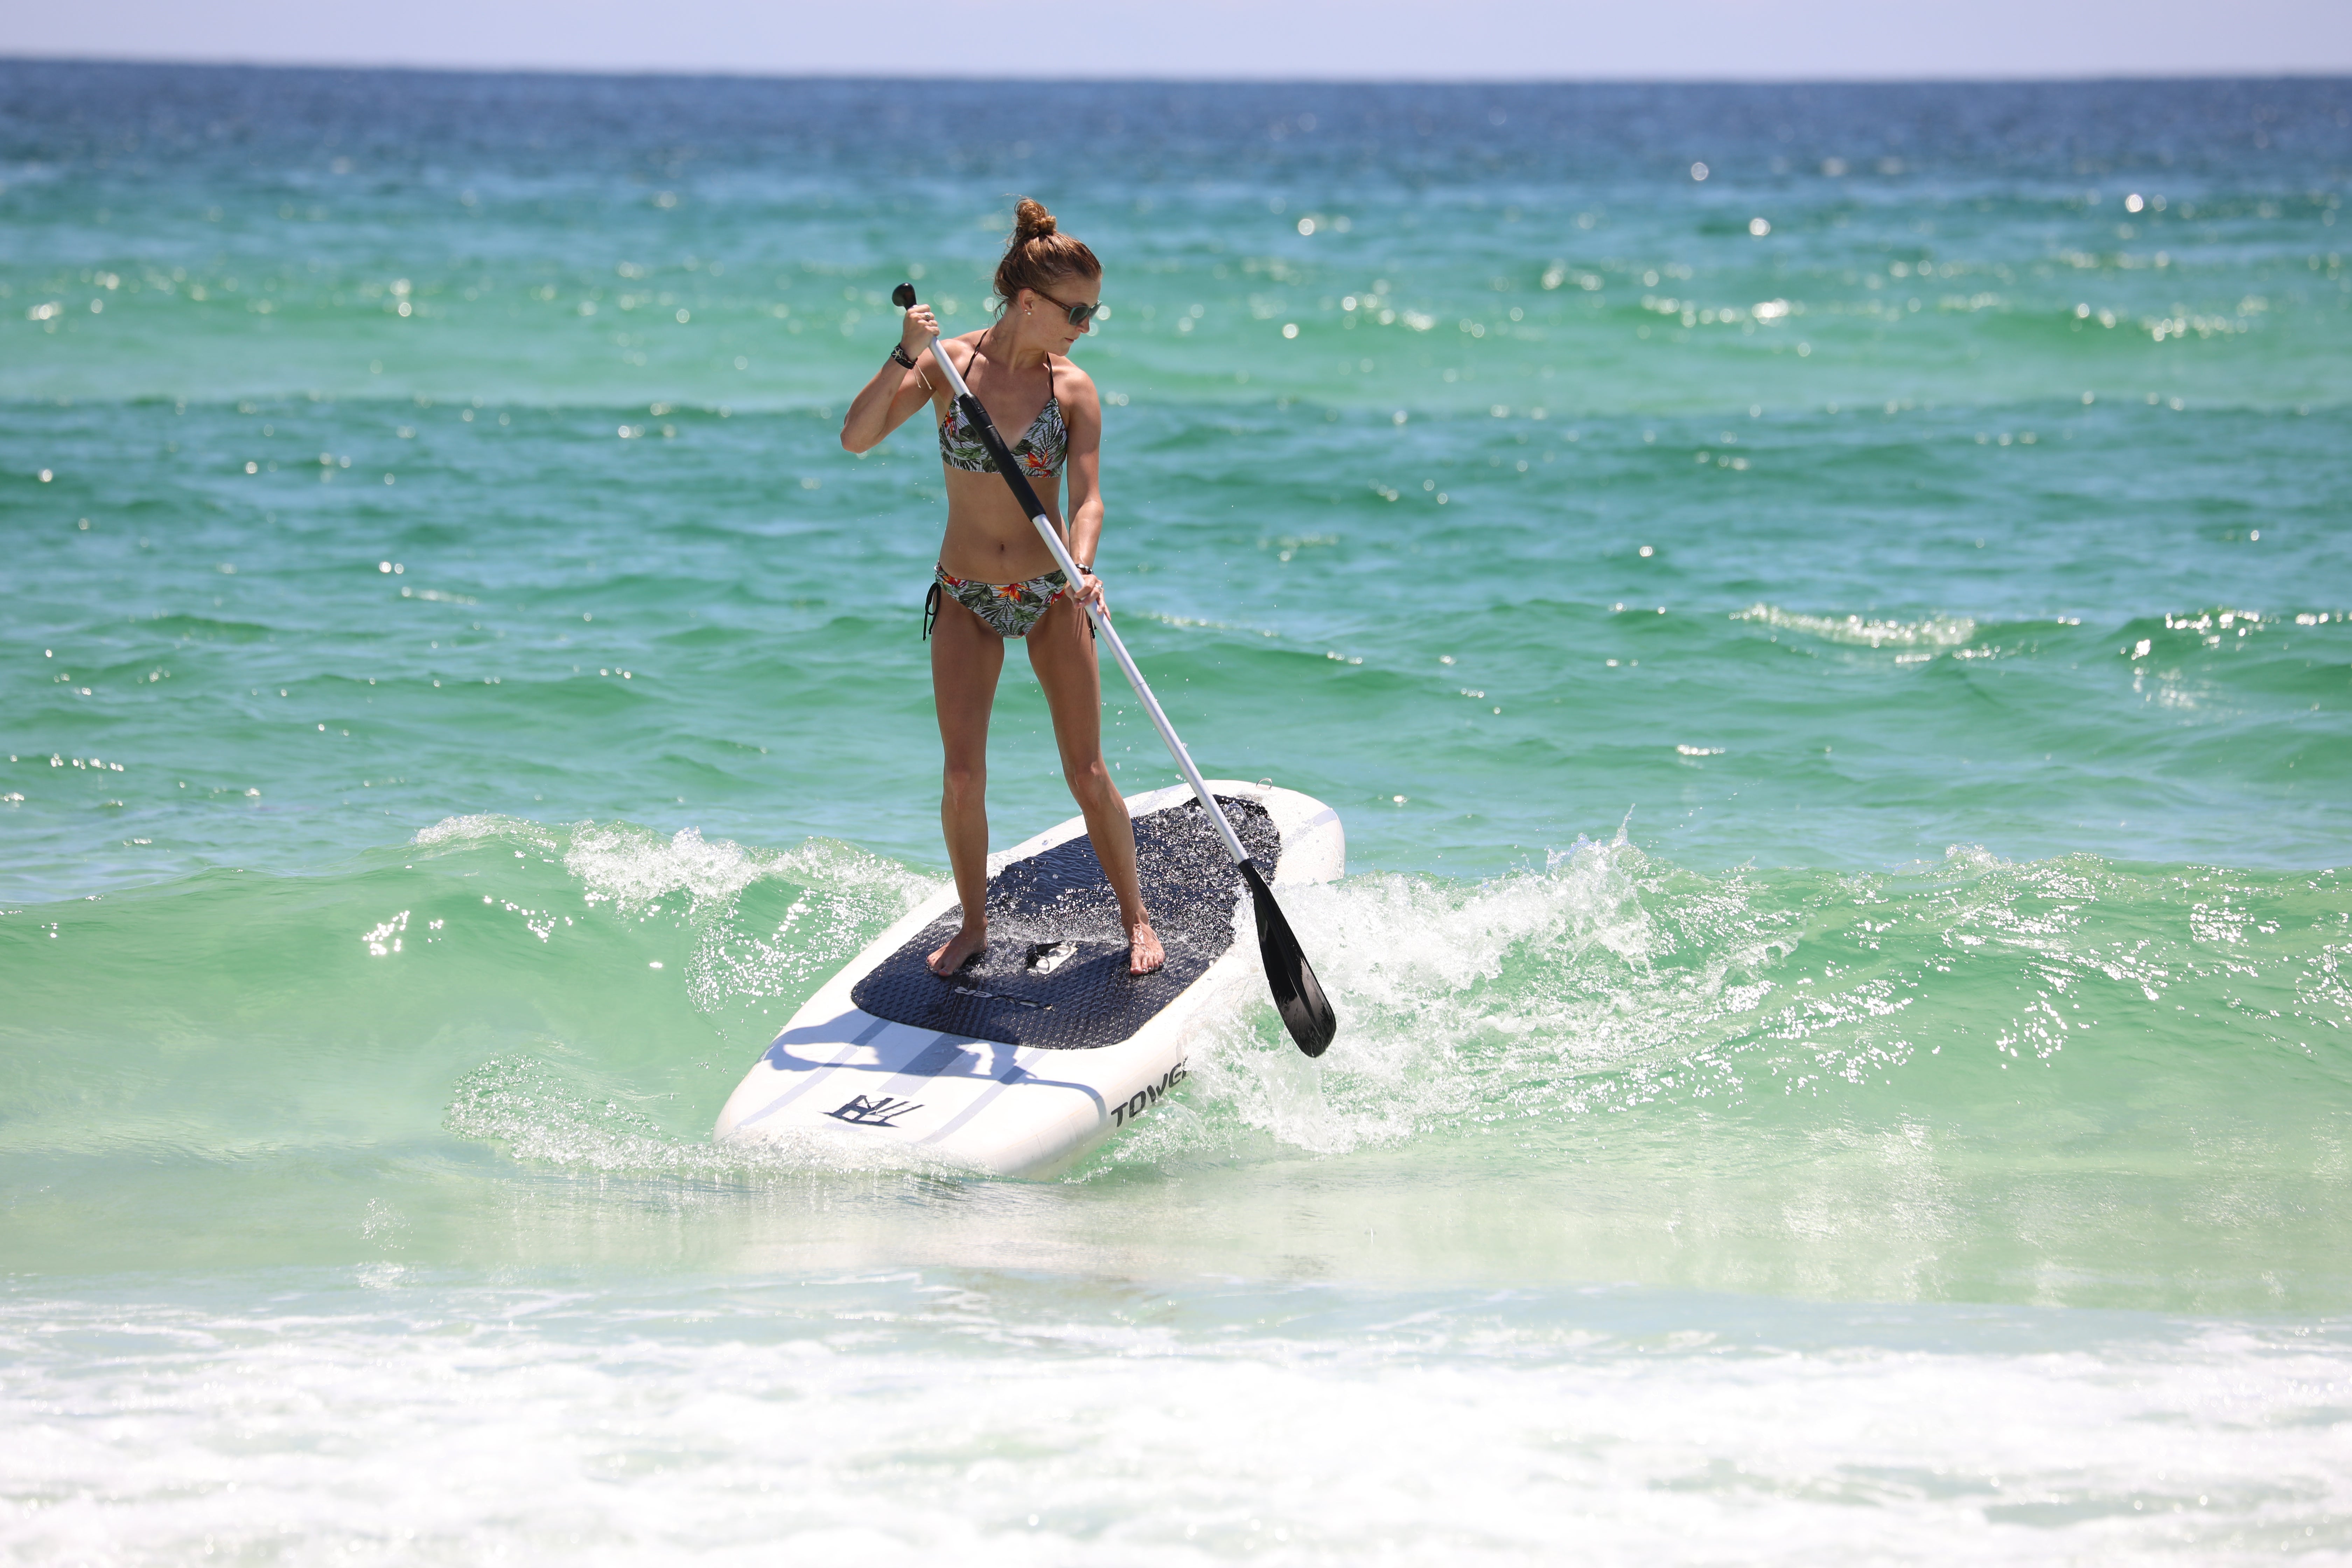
(1047, 316)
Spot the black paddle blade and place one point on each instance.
(903, 296)
(1297, 995)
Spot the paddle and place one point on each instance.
(1297, 997)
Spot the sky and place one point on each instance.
(1514, 40)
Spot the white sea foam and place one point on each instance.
(480, 826)
(634, 866)
(1932, 632)
(976, 1418)
(841, 894)
(1603, 981)
(1480, 1001)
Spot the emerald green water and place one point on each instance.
(1842, 730)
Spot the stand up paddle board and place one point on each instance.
(1028, 1057)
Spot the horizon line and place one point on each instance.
(719, 73)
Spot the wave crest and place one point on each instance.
(1931, 632)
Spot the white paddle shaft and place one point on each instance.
(1052, 538)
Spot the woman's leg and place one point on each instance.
(965, 659)
(1063, 655)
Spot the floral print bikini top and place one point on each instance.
(1041, 451)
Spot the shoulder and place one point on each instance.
(969, 342)
(1073, 387)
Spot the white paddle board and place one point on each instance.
(1045, 1046)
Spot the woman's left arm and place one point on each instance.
(1082, 416)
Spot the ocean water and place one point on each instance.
(1835, 673)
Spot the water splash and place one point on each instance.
(1607, 983)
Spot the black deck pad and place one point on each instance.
(1054, 973)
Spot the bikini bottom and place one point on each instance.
(1008, 609)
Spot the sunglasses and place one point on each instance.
(1079, 315)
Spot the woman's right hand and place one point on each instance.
(920, 328)
(886, 401)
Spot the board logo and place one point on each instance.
(1147, 1097)
(864, 1112)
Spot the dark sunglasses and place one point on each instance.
(1079, 314)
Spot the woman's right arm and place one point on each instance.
(884, 403)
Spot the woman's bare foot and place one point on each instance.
(1143, 954)
(962, 947)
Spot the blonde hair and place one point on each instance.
(1039, 253)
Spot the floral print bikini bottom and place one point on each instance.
(1009, 609)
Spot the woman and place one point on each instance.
(996, 578)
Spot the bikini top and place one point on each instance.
(1041, 451)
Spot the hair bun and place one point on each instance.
(1039, 252)
(1030, 221)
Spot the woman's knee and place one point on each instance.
(960, 782)
(1091, 780)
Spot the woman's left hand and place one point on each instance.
(1088, 590)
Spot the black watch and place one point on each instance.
(899, 353)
